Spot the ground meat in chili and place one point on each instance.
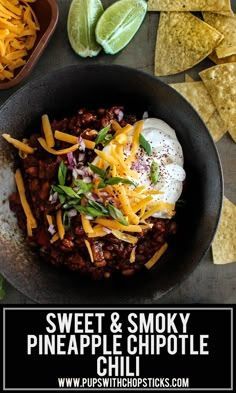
(40, 170)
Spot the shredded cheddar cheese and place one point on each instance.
(105, 157)
(23, 147)
(60, 226)
(57, 152)
(89, 144)
(49, 219)
(143, 203)
(137, 131)
(112, 224)
(98, 231)
(132, 255)
(64, 137)
(125, 203)
(48, 131)
(124, 236)
(31, 222)
(89, 250)
(55, 238)
(29, 228)
(158, 254)
(158, 207)
(18, 33)
(125, 130)
(121, 139)
(86, 224)
(116, 127)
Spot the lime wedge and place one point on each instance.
(119, 23)
(82, 19)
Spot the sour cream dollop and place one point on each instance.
(168, 154)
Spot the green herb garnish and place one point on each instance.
(62, 198)
(83, 187)
(154, 172)
(66, 220)
(62, 171)
(117, 214)
(102, 135)
(69, 191)
(71, 203)
(81, 209)
(99, 207)
(145, 145)
(94, 212)
(117, 180)
(93, 209)
(107, 139)
(100, 172)
(102, 184)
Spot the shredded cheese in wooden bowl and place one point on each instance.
(18, 33)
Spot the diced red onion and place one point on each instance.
(75, 173)
(95, 197)
(53, 197)
(120, 116)
(81, 156)
(140, 166)
(72, 213)
(81, 172)
(51, 229)
(87, 179)
(71, 160)
(81, 144)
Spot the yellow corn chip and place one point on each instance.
(220, 82)
(220, 6)
(216, 60)
(224, 244)
(216, 126)
(197, 95)
(226, 25)
(232, 132)
(183, 40)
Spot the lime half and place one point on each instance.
(82, 19)
(119, 23)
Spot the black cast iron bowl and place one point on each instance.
(59, 93)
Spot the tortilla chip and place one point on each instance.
(224, 244)
(226, 25)
(220, 6)
(232, 133)
(183, 40)
(216, 60)
(197, 95)
(216, 126)
(188, 78)
(220, 82)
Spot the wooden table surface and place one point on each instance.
(208, 283)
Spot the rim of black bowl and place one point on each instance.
(193, 266)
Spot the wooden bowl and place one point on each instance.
(47, 13)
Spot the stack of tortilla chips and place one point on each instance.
(184, 40)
